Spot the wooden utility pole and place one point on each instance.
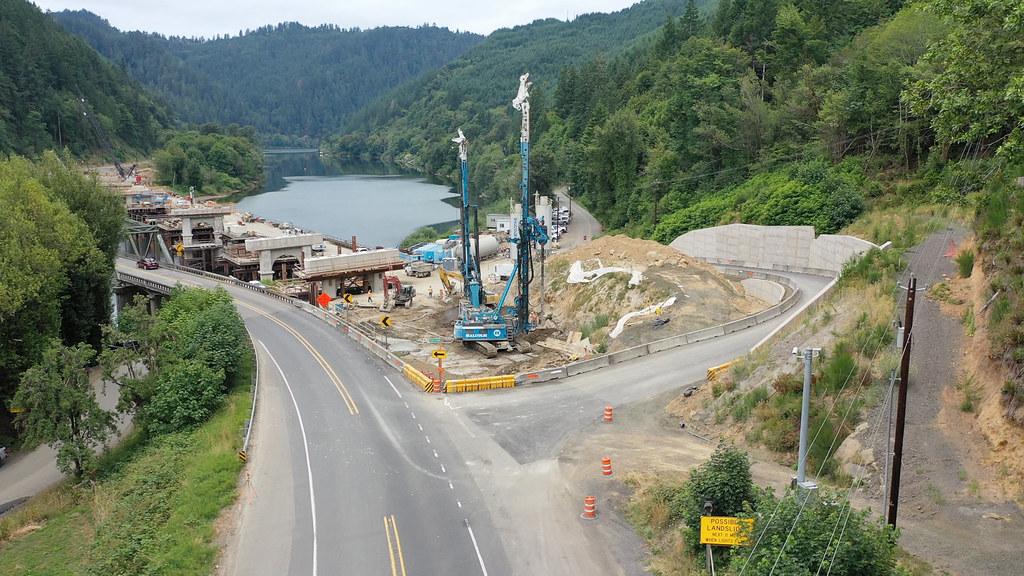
(901, 406)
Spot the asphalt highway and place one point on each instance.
(355, 471)
(347, 475)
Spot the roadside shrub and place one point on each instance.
(965, 263)
(839, 368)
(742, 409)
(787, 383)
(183, 396)
(723, 480)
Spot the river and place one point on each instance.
(379, 207)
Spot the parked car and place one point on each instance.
(148, 264)
(3, 455)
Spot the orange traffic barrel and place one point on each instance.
(608, 413)
(589, 508)
(606, 466)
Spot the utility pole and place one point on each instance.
(901, 406)
(801, 465)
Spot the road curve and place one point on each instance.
(347, 474)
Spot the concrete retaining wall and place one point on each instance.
(785, 248)
(769, 292)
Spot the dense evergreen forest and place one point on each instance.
(55, 92)
(287, 80)
(413, 124)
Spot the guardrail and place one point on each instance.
(371, 343)
(596, 363)
(244, 453)
(146, 283)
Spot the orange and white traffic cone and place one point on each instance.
(606, 466)
(608, 413)
(589, 508)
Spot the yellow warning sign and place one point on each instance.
(725, 530)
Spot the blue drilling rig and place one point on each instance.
(500, 327)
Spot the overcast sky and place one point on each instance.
(212, 17)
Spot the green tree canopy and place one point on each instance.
(60, 406)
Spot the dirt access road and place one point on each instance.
(28, 474)
(945, 515)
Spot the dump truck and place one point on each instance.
(419, 269)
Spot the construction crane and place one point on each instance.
(499, 327)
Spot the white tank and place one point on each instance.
(542, 210)
(488, 247)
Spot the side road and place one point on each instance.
(28, 474)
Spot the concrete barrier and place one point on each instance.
(741, 324)
(587, 365)
(628, 354)
(705, 334)
(541, 376)
(666, 343)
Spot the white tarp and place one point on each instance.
(621, 325)
(577, 275)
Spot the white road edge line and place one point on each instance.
(305, 446)
(427, 437)
(479, 557)
(393, 387)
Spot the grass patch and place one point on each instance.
(151, 511)
(967, 319)
(965, 263)
(968, 388)
(598, 322)
(742, 409)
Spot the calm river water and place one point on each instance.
(341, 200)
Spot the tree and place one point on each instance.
(973, 79)
(724, 481)
(184, 395)
(60, 407)
(825, 535)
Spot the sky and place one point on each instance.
(209, 18)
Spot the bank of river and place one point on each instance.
(379, 208)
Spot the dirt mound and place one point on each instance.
(617, 275)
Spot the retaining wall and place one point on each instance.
(785, 248)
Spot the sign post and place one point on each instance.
(724, 530)
(440, 354)
(386, 322)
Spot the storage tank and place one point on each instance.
(488, 246)
(542, 210)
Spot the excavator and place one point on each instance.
(396, 295)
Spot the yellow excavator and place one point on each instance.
(447, 279)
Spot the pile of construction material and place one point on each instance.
(617, 292)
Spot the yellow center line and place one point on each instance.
(350, 402)
(391, 550)
(398, 544)
(397, 549)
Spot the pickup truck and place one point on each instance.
(419, 269)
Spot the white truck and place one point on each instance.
(419, 269)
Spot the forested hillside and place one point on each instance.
(56, 92)
(413, 124)
(792, 113)
(287, 79)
